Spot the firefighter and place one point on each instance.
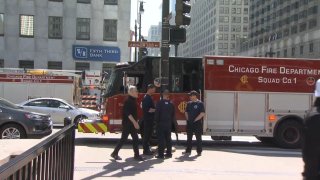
(165, 118)
(129, 125)
(194, 114)
(311, 143)
(148, 118)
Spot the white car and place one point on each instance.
(59, 109)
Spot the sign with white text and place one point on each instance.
(96, 53)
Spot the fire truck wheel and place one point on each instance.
(289, 134)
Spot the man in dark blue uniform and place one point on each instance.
(194, 114)
(129, 125)
(165, 119)
(148, 118)
(311, 143)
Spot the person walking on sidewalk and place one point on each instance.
(129, 125)
(148, 118)
(311, 140)
(165, 118)
(194, 114)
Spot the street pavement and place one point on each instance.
(243, 158)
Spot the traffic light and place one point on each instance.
(177, 35)
(183, 9)
(143, 51)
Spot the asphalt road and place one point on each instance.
(243, 158)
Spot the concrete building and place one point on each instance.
(64, 34)
(283, 28)
(215, 27)
(154, 34)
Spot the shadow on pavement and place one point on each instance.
(129, 167)
(240, 147)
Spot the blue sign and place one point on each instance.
(96, 53)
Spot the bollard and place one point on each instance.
(67, 121)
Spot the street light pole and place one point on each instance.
(141, 10)
(164, 65)
(135, 39)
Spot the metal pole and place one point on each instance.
(139, 54)
(165, 46)
(176, 50)
(135, 39)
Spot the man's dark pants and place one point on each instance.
(147, 133)
(194, 128)
(164, 139)
(311, 157)
(128, 129)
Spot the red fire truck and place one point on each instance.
(243, 96)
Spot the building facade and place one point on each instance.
(64, 34)
(154, 34)
(283, 28)
(215, 27)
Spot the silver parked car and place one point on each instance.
(58, 109)
(17, 123)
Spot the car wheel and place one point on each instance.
(12, 131)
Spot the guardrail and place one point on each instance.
(52, 158)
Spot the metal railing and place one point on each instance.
(52, 158)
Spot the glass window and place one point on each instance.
(312, 23)
(107, 70)
(245, 19)
(26, 25)
(56, 0)
(81, 66)
(28, 64)
(294, 29)
(1, 63)
(293, 50)
(84, 1)
(303, 27)
(238, 10)
(1, 24)
(311, 47)
(110, 2)
(38, 103)
(54, 65)
(226, 28)
(55, 27)
(301, 49)
(285, 53)
(110, 30)
(57, 104)
(83, 29)
(185, 75)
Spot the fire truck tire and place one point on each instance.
(289, 134)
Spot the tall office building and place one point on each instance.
(283, 28)
(154, 34)
(64, 34)
(215, 27)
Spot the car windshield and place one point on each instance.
(109, 85)
(9, 104)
